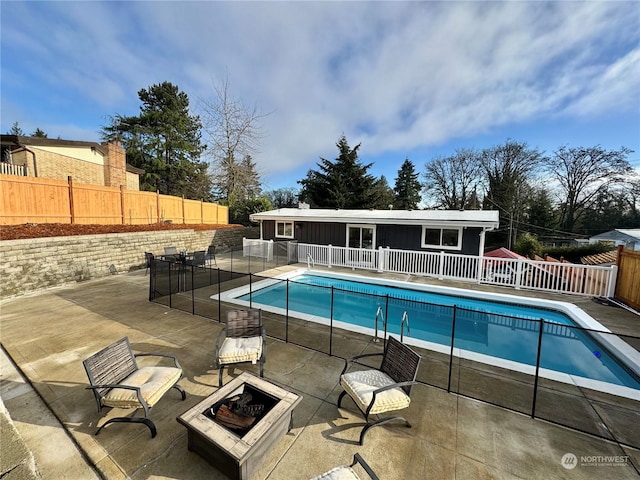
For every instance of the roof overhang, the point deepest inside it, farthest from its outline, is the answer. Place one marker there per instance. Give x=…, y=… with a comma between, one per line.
x=486, y=219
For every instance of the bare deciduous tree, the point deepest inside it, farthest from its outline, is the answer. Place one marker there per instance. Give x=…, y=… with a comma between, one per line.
x=584, y=173
x=234, y=135
x=450, y=182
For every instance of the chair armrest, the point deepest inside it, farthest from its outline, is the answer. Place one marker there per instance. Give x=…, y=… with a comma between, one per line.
x=347, y=361
x=358, y=459
x=219, y=341
x=165, y=355
x=125, y=387
x=388, y=387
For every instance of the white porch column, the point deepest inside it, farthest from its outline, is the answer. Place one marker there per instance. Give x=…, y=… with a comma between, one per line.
x=480, y=256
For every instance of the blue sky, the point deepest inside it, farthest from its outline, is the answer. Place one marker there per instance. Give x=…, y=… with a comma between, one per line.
x=405, y=79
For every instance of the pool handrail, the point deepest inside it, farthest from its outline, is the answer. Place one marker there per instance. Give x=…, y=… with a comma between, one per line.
x=379, y=313
x=405, y=317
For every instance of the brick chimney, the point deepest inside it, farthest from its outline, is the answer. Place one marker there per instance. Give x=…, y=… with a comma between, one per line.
x=115, y=165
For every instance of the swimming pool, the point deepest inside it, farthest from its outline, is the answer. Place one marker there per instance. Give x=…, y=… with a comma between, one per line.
x=489, y=327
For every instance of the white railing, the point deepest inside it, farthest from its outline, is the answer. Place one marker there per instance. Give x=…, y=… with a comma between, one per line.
x=518, y=273
x=9, y=169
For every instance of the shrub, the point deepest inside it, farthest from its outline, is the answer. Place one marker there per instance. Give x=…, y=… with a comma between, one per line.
x=527, y=245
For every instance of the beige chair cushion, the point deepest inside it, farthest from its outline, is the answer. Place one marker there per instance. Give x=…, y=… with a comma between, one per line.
x=154, y=382
x=338, y=473
x=361, y=384
x=237, y=350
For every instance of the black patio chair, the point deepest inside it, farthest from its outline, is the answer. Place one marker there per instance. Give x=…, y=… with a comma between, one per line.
x=197, y=259
x=211, y=255
x=385, y=389
x=148, y=261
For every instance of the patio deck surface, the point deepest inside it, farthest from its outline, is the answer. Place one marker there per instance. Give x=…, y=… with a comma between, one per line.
x=48, y=335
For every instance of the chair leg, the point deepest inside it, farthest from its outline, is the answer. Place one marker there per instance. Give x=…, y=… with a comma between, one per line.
x=381, y=421
x=181, y=390
x=344, y=392
x=220, y=375
x=262, y=369
x=146, y=421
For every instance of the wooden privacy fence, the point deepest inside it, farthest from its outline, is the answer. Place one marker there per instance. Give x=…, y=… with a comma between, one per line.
x=45, y=200
x=628, y=284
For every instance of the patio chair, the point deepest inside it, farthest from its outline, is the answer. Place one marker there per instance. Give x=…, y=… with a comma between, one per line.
x=242, y=340
x=148, y=261
x=171, y=254
x=347, y=472
x=383, y=390
x=117, y=381
x=211, y=255
x=197, y=259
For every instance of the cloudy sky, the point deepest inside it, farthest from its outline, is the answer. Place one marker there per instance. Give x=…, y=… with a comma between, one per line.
x=405, y=79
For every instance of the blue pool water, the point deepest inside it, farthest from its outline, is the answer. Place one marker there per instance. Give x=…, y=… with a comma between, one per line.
x=502, y=330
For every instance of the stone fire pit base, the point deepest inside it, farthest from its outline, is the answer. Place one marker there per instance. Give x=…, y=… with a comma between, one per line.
x=237, y=456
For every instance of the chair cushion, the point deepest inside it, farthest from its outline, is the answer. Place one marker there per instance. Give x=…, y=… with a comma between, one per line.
x=338, y=473
x=154, y=382
x=361, y=384
x=238, y=350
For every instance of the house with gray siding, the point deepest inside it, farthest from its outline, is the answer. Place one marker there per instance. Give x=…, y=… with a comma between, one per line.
x=452, y=231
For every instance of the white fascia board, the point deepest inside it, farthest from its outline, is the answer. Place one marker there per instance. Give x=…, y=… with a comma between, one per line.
x=384, y=217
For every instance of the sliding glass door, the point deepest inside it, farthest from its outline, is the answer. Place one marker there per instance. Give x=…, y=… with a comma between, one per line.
x=361, y=243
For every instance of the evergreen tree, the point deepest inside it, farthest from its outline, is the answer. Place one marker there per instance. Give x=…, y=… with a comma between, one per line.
x=164, y=141
x=16, y=130
x=39, y=133
x=344, y=183
x=540, y=211
x=382, y=194
x=407, y=189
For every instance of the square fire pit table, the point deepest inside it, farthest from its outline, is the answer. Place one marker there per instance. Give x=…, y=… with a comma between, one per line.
x=238, y=451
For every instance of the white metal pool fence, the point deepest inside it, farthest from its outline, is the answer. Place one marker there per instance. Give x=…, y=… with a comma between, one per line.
x=517, y=273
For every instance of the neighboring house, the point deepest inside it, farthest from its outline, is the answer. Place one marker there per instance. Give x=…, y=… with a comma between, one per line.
x=453, y=231
x=630, y=238
x=85, y=162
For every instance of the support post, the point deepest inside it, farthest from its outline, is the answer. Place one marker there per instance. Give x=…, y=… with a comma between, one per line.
x=71, y=207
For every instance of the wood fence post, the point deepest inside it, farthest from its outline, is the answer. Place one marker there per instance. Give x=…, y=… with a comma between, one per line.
x=71, y=211
x=183, y=219
x=202, y=211
x=122, y=209
x=157, y=206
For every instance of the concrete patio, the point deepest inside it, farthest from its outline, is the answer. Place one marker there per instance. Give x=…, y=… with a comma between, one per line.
x=48, y=335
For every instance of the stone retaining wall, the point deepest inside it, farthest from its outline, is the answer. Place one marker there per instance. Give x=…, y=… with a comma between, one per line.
x=34, y=264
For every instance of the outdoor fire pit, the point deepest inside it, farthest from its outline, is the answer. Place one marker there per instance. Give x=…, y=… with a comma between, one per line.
x=235, y=427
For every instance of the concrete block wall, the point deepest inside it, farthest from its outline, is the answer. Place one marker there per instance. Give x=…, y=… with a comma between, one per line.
x=35, y=264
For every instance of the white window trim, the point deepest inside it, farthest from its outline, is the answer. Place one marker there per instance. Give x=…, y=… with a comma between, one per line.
x=441, y=247
x=362, y=225
x=293, y=229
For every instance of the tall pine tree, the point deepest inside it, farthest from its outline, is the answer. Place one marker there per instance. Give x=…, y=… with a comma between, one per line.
x=343, y=183
x=164, y=141
x=407, y=189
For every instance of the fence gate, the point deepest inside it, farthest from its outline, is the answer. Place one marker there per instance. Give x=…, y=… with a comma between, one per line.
x=628, y=284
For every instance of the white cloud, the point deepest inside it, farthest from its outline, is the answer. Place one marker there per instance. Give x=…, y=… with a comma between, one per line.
x=394, y=75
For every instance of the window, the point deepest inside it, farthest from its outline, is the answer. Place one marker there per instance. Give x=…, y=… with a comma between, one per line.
x=284, y=229
x=361, y=236
x=444, y=238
